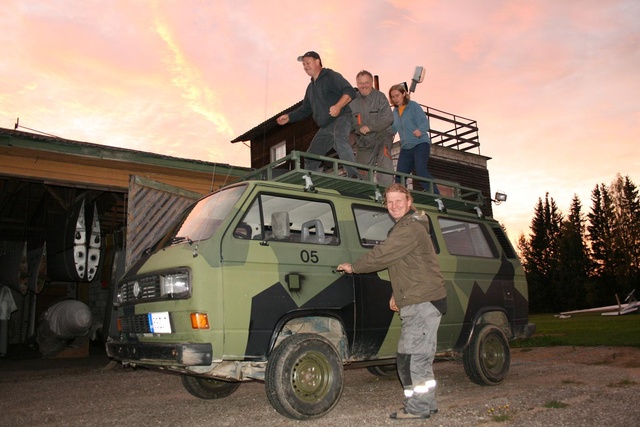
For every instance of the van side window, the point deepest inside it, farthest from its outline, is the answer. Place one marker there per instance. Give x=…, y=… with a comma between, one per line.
x=288, y=219
x=466, y=238
x=374, y=224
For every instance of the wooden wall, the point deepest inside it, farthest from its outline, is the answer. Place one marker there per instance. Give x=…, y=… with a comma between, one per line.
x=93, y=172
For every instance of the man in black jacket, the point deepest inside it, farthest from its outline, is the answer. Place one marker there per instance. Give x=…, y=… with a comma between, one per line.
x=327, y=98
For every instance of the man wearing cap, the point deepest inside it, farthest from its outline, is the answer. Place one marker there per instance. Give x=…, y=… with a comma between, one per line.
x=327, y=98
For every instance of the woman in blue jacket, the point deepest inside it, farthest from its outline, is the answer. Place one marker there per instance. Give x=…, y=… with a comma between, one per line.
x=412, y=124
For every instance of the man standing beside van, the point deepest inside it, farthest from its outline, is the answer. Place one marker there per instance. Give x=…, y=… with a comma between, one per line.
x=327, y=98
x=418, y=294
x=372, y=120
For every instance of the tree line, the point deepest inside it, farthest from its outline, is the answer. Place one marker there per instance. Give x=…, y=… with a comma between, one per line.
x=578, y=261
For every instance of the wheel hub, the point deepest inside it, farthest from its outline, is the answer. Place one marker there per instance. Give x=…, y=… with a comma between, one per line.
x=311, y=377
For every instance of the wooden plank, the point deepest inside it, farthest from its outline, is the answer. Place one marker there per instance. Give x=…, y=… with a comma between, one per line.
x=109, y=174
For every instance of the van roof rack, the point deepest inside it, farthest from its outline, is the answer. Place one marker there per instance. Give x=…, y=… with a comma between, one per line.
x=290, y=169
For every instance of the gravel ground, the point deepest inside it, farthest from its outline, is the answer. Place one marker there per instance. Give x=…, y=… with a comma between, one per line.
x=559, y=386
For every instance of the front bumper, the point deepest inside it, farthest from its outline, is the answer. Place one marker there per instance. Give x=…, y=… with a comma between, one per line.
x=189, y=354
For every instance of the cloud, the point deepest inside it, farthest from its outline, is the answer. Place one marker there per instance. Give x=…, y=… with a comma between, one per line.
x=200, y=98
x=552, y=84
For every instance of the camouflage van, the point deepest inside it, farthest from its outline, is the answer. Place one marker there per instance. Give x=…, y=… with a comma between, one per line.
x=244, y=287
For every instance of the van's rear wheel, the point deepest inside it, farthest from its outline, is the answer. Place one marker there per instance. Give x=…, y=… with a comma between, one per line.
x=304, y=377
x=383, y=371
x=205, y=388
x=487, y=358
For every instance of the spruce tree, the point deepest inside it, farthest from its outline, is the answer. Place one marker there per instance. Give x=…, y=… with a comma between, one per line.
x=540, y=256
x=624, y=196
x=574, y=261
x=602, y=230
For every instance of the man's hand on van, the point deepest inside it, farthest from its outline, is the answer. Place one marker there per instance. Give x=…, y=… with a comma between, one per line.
x=345, y=267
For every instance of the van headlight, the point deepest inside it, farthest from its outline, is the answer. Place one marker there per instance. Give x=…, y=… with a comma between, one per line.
x=174, y=284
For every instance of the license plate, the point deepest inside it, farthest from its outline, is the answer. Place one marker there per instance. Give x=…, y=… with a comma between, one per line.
x=160, y=323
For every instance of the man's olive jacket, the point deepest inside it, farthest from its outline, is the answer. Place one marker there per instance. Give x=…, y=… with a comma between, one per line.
x=409, y=255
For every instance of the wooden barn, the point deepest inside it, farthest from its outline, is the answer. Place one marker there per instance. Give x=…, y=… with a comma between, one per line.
x=72, y=213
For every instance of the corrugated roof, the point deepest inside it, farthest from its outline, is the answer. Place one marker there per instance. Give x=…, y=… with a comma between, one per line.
x=11, y=137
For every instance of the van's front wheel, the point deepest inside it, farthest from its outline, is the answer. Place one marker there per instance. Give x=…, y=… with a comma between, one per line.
x=487, y=358
x=304, y=377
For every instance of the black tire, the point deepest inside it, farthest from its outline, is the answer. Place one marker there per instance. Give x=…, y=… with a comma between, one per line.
x=487, y=358
x=383, y=371
x=206, y=388
x=304, y=377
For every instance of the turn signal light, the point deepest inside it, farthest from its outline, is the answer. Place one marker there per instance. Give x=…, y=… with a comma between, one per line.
x=199, y=321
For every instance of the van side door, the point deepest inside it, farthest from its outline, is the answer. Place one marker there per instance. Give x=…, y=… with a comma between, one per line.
x=279, y=261
x=377, y=327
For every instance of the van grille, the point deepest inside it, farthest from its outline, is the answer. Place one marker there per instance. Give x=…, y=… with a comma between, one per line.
x=143, y=288
x=135, y=324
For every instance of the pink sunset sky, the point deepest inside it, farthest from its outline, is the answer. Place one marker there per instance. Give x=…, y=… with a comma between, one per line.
x=554, y=85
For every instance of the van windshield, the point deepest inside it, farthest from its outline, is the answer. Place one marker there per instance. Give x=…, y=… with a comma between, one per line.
x=202, y=219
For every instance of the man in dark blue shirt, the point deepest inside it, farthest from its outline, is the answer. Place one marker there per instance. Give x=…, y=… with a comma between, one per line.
x=327, y=98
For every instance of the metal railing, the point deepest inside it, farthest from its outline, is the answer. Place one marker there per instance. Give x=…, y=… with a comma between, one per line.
x=462, y=136
x=290, y=169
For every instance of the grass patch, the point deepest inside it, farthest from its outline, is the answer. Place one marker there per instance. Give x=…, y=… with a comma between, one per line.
x=587, y=329
x=555, y=404
x=500, y=414
x=602, y=362
x=501, y=418
x=622, y=383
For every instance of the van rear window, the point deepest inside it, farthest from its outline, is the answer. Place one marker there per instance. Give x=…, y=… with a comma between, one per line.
x=465, y=238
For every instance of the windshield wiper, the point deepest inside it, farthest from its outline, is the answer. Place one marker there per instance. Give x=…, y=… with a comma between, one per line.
x=180, y=239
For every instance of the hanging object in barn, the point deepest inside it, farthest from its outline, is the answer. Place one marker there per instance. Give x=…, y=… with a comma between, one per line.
x=74, y=250
x=80, y=242
x=37, y=262
x=93, y=245
x=14, y=270
x=66, y=238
